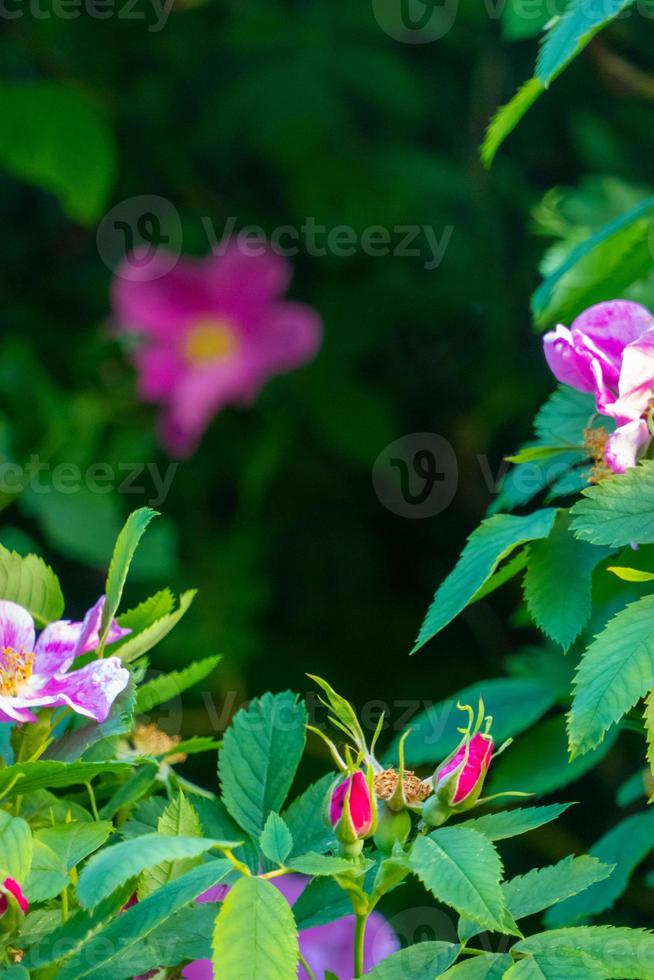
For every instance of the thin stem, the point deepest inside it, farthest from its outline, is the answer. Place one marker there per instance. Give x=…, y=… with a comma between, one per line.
x=94, y=808
x=360, y=924
x=64, y=905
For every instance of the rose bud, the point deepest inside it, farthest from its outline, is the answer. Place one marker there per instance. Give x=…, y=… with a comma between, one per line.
x=352, y=812
x=10, y=889
x=459, y=780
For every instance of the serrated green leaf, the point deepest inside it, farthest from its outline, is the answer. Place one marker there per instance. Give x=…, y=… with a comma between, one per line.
x=547, y=742
x=515, y=704
x=148, y=611
x=261, y=751
x=320, y=864
x=167, y=686
x=322, y=901
x=54, y=136
x=423, y=961
x=124, y=550
x=135, y=646
x=255, y=934
x=72, y=842
x=565, y=965
x=542, y=887
x=494, y=539
x=304, y=819
x=558, y=582
x=179, y=819
x=15, y=846
x=615, y=671
x=507, y=118
x=462, y=869
x=624, y=846
x=115, y=865
x=276, y=840
x=48, y=875
x=90, y=941
x=32, y=584
x=489, y=966
x=619, y=511
x=512, y=823
x=27, y=777
x=625, y=954
x=571, y=33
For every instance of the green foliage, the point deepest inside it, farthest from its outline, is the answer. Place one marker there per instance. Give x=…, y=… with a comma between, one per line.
x=511, y=823
x=419, y=962
x=32, y=584
x=462, y=868
x=494, y=539
x=260, y=755
x=27, y=777
x=308, y=833
x=55, y=136
x=255, y=934
x=615, y=671
x=542, y=887
x=167, y=686
x=508, y=117
x=124, y=550
x=276, y=840
x=571, y=33
x=489, y=966
x=625, y=954
x=618, y=512
x=15, y=846
x=558, y=582
x=569, y=964
x=179, y=819
x=135, y=646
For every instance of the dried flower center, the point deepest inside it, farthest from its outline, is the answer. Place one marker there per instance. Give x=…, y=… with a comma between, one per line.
x=415, y=791
x=209, y=340
x=150, y=740
x=15, y=670
x=595, y=441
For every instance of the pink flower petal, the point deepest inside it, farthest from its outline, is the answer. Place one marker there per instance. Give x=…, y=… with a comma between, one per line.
x=90, y=691
x=626, y=444
x=16, y=627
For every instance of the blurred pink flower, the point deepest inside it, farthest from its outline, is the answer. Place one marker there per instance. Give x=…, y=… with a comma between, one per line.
x=609, y=351
x=329, y=947
x=212, y=332
x=36, y=672
x=11, y=887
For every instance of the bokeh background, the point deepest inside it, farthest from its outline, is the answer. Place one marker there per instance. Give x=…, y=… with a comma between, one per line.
x=273, y=112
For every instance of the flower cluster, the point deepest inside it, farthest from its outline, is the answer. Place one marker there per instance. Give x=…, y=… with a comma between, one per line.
x=609, y=351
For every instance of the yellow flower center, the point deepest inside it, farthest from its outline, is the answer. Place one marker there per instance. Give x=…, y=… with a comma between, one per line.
x=15, y=670
x=209, y=340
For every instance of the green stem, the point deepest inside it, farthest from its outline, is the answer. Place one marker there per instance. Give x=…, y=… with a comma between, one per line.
x=360, y=924
x=307, y=969
x=94, y=807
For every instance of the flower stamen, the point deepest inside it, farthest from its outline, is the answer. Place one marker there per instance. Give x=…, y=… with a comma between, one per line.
x=16, y=668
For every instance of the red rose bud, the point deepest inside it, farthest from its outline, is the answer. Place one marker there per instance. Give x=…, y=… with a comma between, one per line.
x=10, y=887
x=353, y=809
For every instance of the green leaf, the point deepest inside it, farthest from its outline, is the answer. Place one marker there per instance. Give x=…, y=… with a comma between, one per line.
x=624, y=846
x=322, y=901
x=148, y=611
x=507, y=118
x=276, y=840
x=168, y=686
x=115, y=865
x=494, y=539
x=124, y=550
x=420, y=962
x=565, y=965
x=261, y=751
x=135, y=646
x=179, y=819
x=619, y=511
x=304, y=819
x=490, y=966
x=32, y=584
x=547, y=742
x=571, y=33
x=72, y=842
x=565, y=415
x=615, y=671
x=625, y=954
x=55, y=136
x=648, y=719
x=514, y=702
x=15, y=846
x=73, y=744
x=48, y=875
x=511, y=823
x=558, y=582
x=462, y=868
x=542, y=887
x=631, y=574
x=320, y=864
x=530, y=454
x=255, y=934
x=89, y=942
x=26, y=777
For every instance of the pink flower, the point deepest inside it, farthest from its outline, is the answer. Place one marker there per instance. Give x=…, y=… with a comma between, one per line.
x=469, y=764
x=351, y=806
x=212, y=332
x=325, y=948
x=11, y=887
x=35, y=672
x=609, y=351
